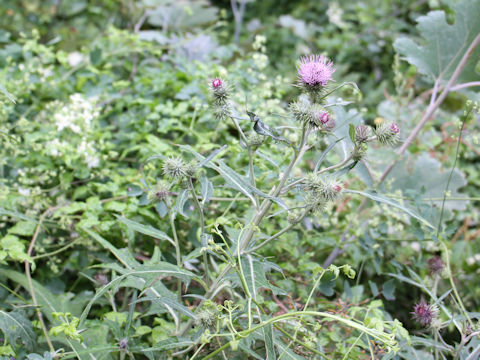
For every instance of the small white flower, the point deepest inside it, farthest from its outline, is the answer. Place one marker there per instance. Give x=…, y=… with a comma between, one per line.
x=74, y=58
x=415, y=246
x=24, y=192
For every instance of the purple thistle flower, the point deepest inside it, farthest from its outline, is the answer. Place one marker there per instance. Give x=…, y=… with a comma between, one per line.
x=424, y=313
x=324, y=118
x=315, y=70
x=216, y=83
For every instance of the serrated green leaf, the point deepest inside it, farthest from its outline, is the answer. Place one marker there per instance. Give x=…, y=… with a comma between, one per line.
x=444, y=44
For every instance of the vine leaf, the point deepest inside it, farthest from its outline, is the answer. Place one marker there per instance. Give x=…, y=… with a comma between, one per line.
x=444, y=44
x=16, y=326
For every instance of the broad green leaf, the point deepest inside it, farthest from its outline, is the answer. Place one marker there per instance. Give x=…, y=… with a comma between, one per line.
x=428, y=178
x=145, y=229
x=23, y=228
x=46, y=300
x=443, y=45
x=16, y=326
x=382, y=199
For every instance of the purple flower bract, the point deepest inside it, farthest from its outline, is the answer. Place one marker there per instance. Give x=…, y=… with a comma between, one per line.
x=315, y=70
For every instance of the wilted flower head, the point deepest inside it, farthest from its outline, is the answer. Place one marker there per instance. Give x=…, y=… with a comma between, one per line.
x=435, y=265
x=174, y=167
x=388, y=133
x=159, y=192
x=424, y=313
x=362, y=132
x=315, y=70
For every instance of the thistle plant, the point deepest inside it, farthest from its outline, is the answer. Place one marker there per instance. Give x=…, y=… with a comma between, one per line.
x=232, y=260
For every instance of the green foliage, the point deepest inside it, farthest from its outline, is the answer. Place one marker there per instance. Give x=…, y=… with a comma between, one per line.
x=443, y=44
x=232, y=256
x=16, y=327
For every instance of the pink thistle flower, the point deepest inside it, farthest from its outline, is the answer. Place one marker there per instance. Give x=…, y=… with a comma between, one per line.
x=315, y=70
x=337, y=188
x=424, y=313
x=216, y=83
x=394, y=128
x=324, y=118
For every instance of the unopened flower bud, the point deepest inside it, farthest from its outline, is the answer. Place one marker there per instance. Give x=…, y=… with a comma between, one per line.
x=255, y=140
x=220, y=90
x=388, y=133
x=191, y=168
x=123, y=343
x=359, y=151
x=293, y=217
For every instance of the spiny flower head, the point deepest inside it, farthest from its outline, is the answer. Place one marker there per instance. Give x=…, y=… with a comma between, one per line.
x=314, y=116
x=220, y=90
x=435, y=265
x=359, y=151
x=174, y=167
x=315, y=70
x=327, y=188
x=388, y=133
x=424, y=313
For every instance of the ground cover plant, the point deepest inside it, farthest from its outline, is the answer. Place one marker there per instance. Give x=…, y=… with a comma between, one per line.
x=210, y=180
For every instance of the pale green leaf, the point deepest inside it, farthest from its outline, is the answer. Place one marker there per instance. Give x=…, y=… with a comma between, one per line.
x=443, y=45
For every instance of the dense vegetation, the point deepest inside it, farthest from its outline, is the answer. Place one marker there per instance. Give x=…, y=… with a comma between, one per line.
x=239, y=179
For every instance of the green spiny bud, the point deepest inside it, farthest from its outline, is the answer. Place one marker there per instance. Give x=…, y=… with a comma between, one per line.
x=255, y=140
x=174, y=168
x=388, y=133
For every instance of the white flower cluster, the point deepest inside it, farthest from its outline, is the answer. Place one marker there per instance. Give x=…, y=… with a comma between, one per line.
x=76, y=115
